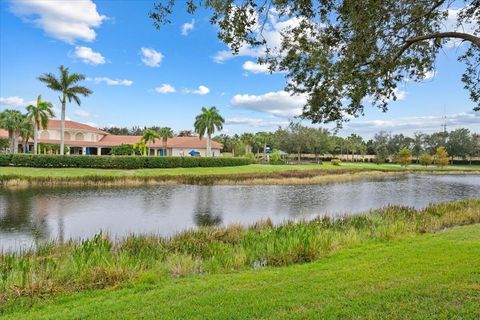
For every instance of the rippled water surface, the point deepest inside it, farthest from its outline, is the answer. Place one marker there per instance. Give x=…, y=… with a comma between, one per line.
x=39, y=214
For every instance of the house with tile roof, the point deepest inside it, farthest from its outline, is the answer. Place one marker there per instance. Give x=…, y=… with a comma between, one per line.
x=83, y=139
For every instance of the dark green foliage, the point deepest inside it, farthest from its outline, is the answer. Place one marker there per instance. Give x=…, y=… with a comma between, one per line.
x=346, y=55
x=120, y=162
x=123, y=150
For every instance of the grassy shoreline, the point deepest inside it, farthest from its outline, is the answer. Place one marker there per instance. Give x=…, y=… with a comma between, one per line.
x=428, y=276
x=98, y=263
x=251, y=174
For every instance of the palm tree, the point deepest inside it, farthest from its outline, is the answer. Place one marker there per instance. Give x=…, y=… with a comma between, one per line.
x=206, y=123
x=12, y=121
x=26, y=132
x=248, y=140
x=165, y=133
x=66, y=85
x=149, y=135
x=39, y=114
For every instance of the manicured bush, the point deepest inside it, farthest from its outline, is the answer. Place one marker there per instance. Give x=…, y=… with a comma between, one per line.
x=116, y=162
x=123, y=150
x=335, y=162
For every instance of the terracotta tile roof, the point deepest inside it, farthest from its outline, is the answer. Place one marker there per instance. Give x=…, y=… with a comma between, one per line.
x=110, y=140
x=175, y=142
x=55, y=124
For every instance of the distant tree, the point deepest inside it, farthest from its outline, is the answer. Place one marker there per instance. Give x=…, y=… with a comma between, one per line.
x=67, y=86
x=12, y=121
x=248, y=139
x=418, y=142
x=435, y=141
x=185, y=133
x=381, y=154
x=425, y=159
x=404, y=157
x=149, y=136
x=26, y=132
x=345, y=55
x=165, y=133
x=263, y=139
x=475, y=151
x=117, y=131
x=206, y=123
x=441, y=157
x=459, y=143
x=136, y=131
x=356, y=145
x=39, y=115
x=123, y=150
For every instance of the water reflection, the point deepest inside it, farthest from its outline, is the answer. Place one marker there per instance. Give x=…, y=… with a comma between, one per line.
x=204, y=210
x=32, y=215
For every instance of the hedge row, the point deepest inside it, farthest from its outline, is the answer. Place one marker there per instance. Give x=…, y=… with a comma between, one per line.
x=116, y=162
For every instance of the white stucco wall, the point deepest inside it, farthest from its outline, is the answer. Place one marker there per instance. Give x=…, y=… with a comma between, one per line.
x=185, y=152
x=54, y=134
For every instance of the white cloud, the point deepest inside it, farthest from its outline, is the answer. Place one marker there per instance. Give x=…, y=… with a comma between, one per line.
x=255, y=122
x=112, y=82
x=201, y=90
x=12, y=101
x=165, y=88
x=64, y=20
x=88, y=56
x=411, y=124
x=255, y=67
x=272, y=34
x=278, y=103
x=151, y=57
x=82, y=113
x=187, y=27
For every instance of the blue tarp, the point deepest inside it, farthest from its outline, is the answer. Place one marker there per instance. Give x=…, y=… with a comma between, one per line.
x=194, y=153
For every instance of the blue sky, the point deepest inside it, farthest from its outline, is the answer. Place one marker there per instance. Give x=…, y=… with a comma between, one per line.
x=143, y=76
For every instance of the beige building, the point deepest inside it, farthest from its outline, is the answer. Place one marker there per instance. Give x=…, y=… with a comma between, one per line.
x=87, y=140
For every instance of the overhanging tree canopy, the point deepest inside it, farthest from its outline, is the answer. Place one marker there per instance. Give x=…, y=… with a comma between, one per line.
x=346, y=54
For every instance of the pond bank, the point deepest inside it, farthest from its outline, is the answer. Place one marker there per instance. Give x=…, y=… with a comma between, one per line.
x=99, y=262
x=255, y=174
x=293, y=177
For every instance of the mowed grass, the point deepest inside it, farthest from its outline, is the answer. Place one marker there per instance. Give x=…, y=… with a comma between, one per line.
x=249, y=169
x=428, y=276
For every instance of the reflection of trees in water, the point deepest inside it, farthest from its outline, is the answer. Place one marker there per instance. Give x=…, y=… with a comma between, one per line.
x=17, y=213
x=204, y=212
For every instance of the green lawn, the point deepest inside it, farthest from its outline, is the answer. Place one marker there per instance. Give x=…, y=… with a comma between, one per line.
x=429, y=276
x=254, y=168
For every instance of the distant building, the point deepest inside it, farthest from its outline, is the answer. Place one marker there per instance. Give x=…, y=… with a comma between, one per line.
x=84, y=139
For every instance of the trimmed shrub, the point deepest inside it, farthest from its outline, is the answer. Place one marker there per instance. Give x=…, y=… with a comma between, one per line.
x=116, y=162
x=123, y=150
x=335, y=162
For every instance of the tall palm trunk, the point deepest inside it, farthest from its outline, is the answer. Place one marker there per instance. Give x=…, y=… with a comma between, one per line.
x=35, y=137
x=15, y=142
x=209, y=148
x=164, y=147
x=11, y=140
x=62, y=128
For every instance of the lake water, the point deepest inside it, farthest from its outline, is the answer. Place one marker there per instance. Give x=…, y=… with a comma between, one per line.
x=38, y=214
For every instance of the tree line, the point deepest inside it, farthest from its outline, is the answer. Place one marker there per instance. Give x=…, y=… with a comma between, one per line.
x=297, y=139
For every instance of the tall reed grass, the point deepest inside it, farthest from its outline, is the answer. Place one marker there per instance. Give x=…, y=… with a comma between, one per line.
x=99, y=262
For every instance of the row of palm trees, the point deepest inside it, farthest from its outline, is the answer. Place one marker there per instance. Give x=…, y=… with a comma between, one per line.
x=68, y=86
x=206, y=123
x=25, y=126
